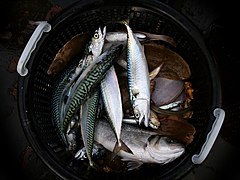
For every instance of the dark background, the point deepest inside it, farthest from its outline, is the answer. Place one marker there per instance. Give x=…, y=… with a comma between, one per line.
x=216, y=20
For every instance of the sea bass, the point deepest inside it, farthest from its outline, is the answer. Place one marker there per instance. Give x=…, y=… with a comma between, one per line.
x=138, y=78
x=146, y=146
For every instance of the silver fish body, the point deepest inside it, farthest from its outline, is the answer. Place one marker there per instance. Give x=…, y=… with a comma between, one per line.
x=146, y=146
x=72, y=134
x=56, y=101
x=111, y=97
x=142, y=37
x=119, y=36
x=89, y=80
x=88, y=118
x=94, y=49
x=138, y=78
x=90, y=107
x=62, y=87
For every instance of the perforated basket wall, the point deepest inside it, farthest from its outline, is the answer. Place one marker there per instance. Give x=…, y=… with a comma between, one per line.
x=35, y=89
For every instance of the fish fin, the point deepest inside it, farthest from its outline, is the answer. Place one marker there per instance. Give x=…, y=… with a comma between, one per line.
x=112, y=156
x=125, y=148
x=93, y=165
x=104, y=31
x=121, y=146
x=142, y=46
x=133, y=165
x=135, y=91
x=124, y=21
x=118, y=148
x=155, y=72
x=146, y=121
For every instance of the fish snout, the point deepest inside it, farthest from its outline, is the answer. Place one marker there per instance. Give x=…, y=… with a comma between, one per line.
x=173, y=146
x=142, y=111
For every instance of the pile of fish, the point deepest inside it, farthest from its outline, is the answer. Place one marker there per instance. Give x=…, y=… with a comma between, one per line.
x=127, y=94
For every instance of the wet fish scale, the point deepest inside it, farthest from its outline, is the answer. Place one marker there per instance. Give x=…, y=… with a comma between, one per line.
x=138, y=78
x=92, y=51
x=89, y=115
x=112, y=98
x=56, y=101
x=90, y=81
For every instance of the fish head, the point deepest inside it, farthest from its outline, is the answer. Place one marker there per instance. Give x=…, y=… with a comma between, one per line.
x=72, y=141
x=98, y=41
x=141, y=111
x=171, y=146
x=71, y=135
x=164, y=149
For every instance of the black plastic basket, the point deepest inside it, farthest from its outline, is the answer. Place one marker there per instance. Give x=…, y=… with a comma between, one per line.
x=35, y=89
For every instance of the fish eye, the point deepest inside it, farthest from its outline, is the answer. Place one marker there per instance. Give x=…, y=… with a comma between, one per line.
x=96, y=36
x=136, y=113
x=169, y=140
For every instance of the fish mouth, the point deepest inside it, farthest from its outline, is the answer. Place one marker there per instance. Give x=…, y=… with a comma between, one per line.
x=175, y=150
x=179, y=149
x=163, y=151
x=170, y=146
x=177, y=146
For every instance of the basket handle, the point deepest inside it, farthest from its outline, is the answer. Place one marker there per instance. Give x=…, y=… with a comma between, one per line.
x=43, y=26
x=211, y=137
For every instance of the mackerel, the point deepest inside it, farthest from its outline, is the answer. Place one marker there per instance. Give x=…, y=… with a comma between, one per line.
x=112, y=101
x=66, y=80
x=138, y=78
x=93, y=50
x=58, y=87
x=88, y=118
x=89, y=80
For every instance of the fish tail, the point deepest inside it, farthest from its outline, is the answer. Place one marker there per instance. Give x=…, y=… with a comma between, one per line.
x=123, y=22
x=93, y=165
x=120, y=145
x=125, y=148
x=155, y=72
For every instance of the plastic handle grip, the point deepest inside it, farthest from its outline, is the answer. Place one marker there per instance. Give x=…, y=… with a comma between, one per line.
x=43, y=26
x=211, y=137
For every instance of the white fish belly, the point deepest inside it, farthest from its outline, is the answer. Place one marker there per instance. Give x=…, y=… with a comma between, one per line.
x=112, y=100
x=138, y=73
x=131, y=136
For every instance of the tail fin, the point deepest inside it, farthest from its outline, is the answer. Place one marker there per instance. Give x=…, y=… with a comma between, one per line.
x=124, y=21
x=155, y=72
x=118, y=147
x=93, y=165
